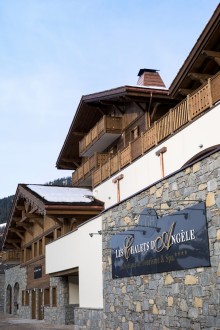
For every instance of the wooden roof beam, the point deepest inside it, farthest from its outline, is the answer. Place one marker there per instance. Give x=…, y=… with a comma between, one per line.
x=201, y=77
x=16, y=246
x=39, y=222
x=20, y=207
x=155, y=107
x=13, y=240
x=119, y=109
x=211, y=54
x=58, y=221
x=26, y=227
x=26, y=206
x=185, y=91
x=17, y=232
x=140, y=106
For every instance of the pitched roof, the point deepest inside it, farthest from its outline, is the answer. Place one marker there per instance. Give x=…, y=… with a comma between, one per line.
x=39, y=200
x=58, y=194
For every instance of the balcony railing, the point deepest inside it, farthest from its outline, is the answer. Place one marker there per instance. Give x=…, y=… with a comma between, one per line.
x=107, y=124
x=11, y=256
x=89, y=165
x=183, y=113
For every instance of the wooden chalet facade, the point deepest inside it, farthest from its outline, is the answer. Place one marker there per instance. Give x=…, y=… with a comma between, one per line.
x=112, y=128
x=40, y=214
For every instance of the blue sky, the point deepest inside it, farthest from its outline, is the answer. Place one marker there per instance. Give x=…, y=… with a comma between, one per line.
x=54, y=51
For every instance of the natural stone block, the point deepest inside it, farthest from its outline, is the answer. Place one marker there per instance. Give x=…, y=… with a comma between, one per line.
x=155, y=309
x=127, y=220
x=196, y=167
x=198, y=302
x=152, y=190
x=168, y=279
x=138, y=307
x=130, y=325
x=193, y=313
x=128, y=206
x=212, y=185
x=123, y=289
x=202, y=186
x=218, y=271
x=210, y=199
x=159, y=192
x=170, y=301
x=112, y=308
x=184, y=306
x=218, y=235
x=191, y=280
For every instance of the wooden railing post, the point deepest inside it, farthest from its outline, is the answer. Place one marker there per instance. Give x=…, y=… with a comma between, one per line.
x=130, y=153
x=188, y=107
x=210, y=93
x=142, y=143
x=156, y=132
x=119, y=160
x=171, y=121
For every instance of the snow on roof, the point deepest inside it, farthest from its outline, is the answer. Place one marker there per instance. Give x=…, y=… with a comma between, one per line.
x=149, y=87
x=62, y=194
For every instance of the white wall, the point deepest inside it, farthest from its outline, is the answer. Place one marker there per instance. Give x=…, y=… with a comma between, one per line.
x=180, y=148
x=78, y=249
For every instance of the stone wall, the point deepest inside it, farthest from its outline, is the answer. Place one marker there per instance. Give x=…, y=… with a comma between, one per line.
x=86, y=318
x=56, y=315
x=15, y=276
x=186, y=299
x=2, y=293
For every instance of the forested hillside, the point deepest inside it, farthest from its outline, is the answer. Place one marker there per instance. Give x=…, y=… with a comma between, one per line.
x=5, y=206
x=5, y=203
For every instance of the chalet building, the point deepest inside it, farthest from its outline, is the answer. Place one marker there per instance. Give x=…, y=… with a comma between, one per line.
x=151, y=154
x=42, y=214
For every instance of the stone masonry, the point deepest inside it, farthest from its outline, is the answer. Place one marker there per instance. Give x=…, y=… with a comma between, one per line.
x=186, y=299
x=15, y=276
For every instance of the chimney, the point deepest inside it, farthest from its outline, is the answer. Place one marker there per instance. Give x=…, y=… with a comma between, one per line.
x=150, y=78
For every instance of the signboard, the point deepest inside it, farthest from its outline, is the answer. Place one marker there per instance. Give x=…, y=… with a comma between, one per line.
x=37, y=272
x=173, y=242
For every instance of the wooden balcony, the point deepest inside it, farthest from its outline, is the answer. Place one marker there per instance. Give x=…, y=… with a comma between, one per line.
x=11, y=257
x=83, y=175
x=182, y=114
x=106, y=131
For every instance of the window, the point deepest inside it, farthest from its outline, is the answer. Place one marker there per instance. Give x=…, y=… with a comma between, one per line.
x=49, y=238
x=47, y=297
x=35, y=250
x=54, y=296
x=23, y=298
x=26, y=302
x=40, y=247
x=28, y=253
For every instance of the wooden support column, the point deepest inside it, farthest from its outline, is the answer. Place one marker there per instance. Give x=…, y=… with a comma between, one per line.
x=117, y=181
x=160, y=153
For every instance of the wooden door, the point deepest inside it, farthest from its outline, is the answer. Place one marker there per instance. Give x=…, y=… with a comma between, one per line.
x=33, y=304
x=40, y=305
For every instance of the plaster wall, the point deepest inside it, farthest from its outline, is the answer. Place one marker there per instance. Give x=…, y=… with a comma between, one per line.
x=79, y=250
x=181, y=147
